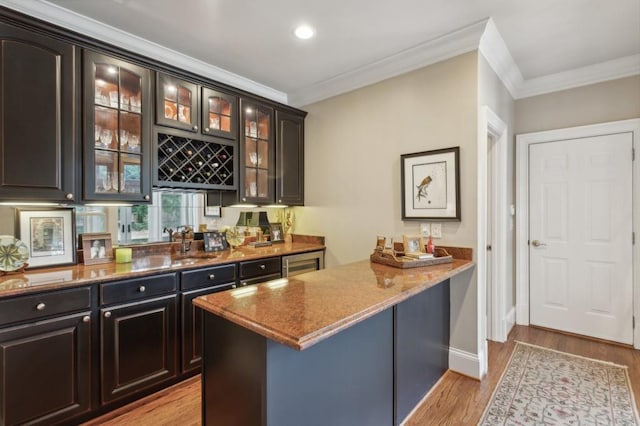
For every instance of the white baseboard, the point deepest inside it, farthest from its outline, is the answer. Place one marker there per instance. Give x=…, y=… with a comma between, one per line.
x=464, y=363
x=510, y=320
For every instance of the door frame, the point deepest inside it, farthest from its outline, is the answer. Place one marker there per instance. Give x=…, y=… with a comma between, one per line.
x=497, y=326
x=522, y=206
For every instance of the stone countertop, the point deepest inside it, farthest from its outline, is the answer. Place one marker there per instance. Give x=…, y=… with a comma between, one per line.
x=77, y=275
x=306, y=309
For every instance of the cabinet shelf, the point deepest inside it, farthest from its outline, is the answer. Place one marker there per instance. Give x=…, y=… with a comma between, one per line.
x=186, y=162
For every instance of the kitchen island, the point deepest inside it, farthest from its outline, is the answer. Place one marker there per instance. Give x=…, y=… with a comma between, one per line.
x=358, y=344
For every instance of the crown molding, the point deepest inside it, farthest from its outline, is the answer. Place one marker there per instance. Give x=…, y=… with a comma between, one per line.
x=604, y=71
x=495, y=51
x=65, y=18
x=455, y=43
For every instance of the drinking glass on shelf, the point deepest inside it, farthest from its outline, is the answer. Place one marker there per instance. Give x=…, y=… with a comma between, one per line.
x=114, y=181
x=135, y=103
x=113, y=99
x=124, y=102
x=253, y=189
x=253, y=157
x=97, y=133
x=106, y=182
x=105, y=137
x=134, y=142
x=124, y=138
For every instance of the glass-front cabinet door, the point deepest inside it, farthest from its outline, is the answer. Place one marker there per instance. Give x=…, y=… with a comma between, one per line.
x=117, y=130
x=257, y=153
x=219, y=114
x=176, y=103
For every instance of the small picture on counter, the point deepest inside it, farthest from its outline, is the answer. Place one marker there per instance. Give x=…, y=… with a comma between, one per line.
x=48, y=234
x=214, y=241
x=276, y=232
x=380, y=243
x=413, y=244
x=96, y=248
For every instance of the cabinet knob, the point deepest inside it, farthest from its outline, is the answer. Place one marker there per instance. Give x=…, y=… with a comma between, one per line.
x=146, y=197
x=86, y=318
x=206, y=129
x=233, y=286
x=212, y=276
x=41, y=306
x=280, y=201
x=244, y=199
x=142, y=289
x=195, y=128
x=107, y=314
x=69, y=196
x=243, y=284
x=262, y=267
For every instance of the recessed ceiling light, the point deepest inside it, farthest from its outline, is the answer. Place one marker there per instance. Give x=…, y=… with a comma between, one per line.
x=304, y=32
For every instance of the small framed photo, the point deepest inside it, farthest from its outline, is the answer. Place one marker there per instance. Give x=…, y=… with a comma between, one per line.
x=381, y=242
x=214, y=241
x=276, y=232
x=413, y=244
x=49, y=234
x=97, y=248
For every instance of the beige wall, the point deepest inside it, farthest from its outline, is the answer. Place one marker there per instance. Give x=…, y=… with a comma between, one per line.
x=597, y=103
x=353, y=144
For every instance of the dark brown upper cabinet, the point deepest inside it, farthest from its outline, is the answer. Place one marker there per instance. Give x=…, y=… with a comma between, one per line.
x=177, y=103
x=117, y=130
x=289, y=159
x=38, y=118
x=219, y=114
x=257, y=153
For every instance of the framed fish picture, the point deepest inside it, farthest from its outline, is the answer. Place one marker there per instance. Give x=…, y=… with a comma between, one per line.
x=431, y=185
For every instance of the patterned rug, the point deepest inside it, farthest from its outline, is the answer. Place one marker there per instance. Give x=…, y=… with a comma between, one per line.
x=545, y=387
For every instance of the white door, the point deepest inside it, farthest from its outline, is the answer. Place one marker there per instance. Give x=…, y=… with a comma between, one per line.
x=580, y=231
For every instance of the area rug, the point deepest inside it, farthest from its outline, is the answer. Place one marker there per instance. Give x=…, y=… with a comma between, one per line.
x=545, y=387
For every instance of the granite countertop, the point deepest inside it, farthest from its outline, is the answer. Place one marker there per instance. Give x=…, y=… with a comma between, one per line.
x=76, y=275
x=304, y=310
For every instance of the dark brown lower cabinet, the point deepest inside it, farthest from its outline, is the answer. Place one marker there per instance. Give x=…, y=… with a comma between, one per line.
x=192, y=327
x=138, y=346
x=45, y=371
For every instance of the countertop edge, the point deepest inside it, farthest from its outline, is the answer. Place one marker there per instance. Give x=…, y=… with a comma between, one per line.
x=317, y=336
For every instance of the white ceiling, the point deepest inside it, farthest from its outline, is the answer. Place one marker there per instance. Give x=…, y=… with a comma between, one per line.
x=254, y=40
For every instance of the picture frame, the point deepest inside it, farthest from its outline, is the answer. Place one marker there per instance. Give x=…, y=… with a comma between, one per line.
x=49, y=233
x=97, y=248
x=431, y=185
x=413, y=244
x=214, y=241
x=275, y=230
x=381, y=242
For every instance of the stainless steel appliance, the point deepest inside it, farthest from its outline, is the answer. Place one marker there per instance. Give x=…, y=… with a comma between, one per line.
x=297, y=264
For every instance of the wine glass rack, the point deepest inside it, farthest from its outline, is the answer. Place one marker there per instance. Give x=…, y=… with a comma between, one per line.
x=193, y=163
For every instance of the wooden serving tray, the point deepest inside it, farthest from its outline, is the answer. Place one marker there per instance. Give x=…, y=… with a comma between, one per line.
x=403, y=262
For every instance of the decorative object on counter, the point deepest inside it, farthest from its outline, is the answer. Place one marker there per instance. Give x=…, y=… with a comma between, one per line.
x=48, y=234
x=214, y=241
x=13, y=255
x=381, y=242
x=413, y=244
x=431, y=185
x=276, y=233
x=286, y=218
x=263, y=223
x=124, y=254
x=96, y=248
x=398, y=259
x=430, y=246
x=234, y=237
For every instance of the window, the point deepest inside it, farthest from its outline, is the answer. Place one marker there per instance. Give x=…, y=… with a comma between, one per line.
x=143, y=223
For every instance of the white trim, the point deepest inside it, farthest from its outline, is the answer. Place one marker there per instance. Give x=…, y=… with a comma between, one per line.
x=490, y=124
x=495, y=51
x=74, y=21
x=604, y=71
x=522, y=199
x=510, y=319
x=447, y=46
x=465, y=363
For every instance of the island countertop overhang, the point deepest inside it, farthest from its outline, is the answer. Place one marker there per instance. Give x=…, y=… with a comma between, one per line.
x=307, y=309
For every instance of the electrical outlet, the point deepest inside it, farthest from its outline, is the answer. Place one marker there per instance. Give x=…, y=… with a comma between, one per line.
x=425, y=229
x=436, y=230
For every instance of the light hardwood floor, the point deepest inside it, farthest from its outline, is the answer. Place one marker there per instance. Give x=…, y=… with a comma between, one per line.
x=456, y=400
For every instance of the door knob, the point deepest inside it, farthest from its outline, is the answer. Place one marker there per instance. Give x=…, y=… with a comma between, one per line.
x=537, y=243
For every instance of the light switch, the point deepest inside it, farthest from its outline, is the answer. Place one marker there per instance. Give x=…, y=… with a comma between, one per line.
x=425, y=229
x=436, y=230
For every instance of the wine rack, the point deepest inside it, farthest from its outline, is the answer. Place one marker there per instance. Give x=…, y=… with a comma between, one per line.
x=191, y=163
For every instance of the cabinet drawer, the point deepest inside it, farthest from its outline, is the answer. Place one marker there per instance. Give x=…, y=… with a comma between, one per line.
x=141, y=288
x=208, y=277
x=27, y=308
x=256, y=268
